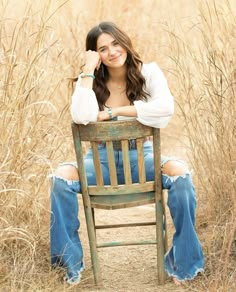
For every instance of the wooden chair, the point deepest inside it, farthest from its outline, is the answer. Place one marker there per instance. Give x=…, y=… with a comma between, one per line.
x=115, y=196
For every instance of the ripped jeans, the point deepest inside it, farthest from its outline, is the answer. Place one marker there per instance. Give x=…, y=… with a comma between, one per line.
x=184, y=259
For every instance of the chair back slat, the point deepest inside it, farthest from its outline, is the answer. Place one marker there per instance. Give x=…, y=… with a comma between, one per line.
x=126, y=162
x=97, y=164
x=113, y=130
x=141, y=164
x=111, y=163
x=104, y=131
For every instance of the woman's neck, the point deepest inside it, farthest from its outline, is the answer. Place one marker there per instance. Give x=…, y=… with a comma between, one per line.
x=117, y=75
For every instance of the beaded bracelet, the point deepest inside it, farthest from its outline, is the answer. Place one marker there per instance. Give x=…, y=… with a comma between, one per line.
x=83, y=75
x=109, y=111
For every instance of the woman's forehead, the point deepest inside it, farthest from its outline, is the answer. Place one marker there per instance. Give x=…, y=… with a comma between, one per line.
x=104, y=39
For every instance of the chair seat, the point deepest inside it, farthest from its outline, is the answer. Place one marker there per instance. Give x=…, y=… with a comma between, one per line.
x=120, y=201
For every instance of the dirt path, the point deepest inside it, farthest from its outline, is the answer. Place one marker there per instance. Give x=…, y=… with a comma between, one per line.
x=130, y=268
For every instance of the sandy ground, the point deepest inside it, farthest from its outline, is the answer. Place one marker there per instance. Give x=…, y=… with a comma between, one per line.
x=132, y=268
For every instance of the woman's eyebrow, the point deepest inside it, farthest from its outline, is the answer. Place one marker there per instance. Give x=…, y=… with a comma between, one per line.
x=114, y=41
x=101, y=47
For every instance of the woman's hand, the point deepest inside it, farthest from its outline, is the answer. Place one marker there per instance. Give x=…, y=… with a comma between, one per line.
x=127, y=111
x=92, y=61
x=103, y=116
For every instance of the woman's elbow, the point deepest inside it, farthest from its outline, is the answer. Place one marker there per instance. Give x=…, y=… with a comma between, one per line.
x=171, y=109
x=83, y=118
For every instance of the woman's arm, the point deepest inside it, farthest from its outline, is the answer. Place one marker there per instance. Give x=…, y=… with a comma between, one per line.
x=160, y=107
x=158, y=110
x=84, y=106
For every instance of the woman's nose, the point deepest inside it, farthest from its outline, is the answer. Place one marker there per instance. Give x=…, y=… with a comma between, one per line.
x=111, y=51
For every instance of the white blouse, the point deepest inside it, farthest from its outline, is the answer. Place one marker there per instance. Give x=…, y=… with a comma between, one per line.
x=155, y=112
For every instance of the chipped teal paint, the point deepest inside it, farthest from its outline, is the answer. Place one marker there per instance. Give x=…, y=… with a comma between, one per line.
x=123, y=243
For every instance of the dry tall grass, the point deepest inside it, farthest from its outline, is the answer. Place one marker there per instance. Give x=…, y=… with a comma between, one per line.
x=41, y=45
x=205, y=70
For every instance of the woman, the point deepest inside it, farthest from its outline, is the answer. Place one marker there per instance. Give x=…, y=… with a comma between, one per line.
x=116, y=84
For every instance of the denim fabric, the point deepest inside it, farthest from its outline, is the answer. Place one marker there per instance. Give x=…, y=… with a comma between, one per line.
x=185, y=258
x=66, y=249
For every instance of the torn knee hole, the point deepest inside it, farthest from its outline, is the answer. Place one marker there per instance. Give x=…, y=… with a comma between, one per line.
x=67, y=172
x=174, y=168
x=176, y=173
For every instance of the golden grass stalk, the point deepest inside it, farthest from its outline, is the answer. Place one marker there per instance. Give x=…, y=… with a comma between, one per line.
x=205, y=74
x=31, y=137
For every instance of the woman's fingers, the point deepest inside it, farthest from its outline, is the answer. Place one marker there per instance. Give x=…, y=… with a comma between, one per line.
x=92, y=59
x=103, y=116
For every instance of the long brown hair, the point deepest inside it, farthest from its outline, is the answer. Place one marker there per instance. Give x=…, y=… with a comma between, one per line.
x=135, y=82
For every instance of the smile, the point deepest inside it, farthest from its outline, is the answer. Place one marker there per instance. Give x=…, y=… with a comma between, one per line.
x=115, y=59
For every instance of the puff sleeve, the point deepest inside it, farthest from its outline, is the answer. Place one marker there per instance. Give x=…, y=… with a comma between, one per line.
x=159, y=108
x=84, y=105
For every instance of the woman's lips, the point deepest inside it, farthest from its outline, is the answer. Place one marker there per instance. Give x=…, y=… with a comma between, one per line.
x=115, y=59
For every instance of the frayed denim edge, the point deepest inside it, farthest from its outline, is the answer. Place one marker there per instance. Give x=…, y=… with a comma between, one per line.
x=174, y=178
x=199, y=270
x=69, y=182
x=171, y=274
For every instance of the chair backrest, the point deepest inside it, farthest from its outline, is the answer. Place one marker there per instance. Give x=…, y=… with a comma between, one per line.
x=122, y=131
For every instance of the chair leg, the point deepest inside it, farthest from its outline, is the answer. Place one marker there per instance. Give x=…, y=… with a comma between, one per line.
x=160, y=242
x=93, y=214
x=165, y=221
x=93, y=245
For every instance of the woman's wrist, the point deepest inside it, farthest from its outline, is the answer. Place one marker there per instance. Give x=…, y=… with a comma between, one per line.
x=115, y=112
x=87, y=77
x=112, y=113
x=88, y=70
x=83, y=75
x=127, y=111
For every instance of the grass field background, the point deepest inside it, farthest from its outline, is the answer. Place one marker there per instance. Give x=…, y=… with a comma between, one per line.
x=42, y=47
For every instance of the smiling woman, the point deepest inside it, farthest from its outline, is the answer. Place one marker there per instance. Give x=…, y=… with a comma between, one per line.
x=111, y=49
x=116, y=84
x=111, y=52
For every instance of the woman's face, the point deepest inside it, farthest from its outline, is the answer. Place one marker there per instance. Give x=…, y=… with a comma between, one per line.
x=111, y=53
